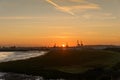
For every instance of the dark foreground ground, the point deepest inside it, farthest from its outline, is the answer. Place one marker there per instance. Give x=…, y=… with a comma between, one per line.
x=84, y=64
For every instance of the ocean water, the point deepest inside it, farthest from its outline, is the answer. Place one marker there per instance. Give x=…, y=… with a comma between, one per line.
x=11, y=56
x=13, y=76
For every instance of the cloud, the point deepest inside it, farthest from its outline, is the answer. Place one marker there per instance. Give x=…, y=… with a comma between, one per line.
x=70, y=9
x=100, y=16
x=63, y=9
x=82, y=7
x=75, y=0
x=21, y=17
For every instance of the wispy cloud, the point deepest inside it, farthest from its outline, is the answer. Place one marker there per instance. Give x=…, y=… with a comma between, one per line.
x=70, y=9
x=21, y=17
x=100, y=16
x=82, y=7
x=63, y=9
x=75, y=0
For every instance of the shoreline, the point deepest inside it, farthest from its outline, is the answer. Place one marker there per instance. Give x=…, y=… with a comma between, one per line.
x=49, y=65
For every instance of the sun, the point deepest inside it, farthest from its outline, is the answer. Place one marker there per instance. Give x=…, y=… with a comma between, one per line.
x=63, y=45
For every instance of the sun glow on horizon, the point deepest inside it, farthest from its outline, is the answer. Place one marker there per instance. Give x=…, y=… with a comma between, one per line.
x=37, y=23
x=63, y=45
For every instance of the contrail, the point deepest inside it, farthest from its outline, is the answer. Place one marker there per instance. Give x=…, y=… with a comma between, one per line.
x=63, y=9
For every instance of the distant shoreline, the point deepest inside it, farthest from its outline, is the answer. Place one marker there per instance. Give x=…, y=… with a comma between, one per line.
x=18, y=50
x=22, y=49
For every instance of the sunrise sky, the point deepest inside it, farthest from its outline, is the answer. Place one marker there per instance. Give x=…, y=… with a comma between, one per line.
x=45, y=22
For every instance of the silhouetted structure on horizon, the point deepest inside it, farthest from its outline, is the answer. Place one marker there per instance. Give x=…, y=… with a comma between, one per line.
x=67, y=45
x=79, y=44
x=55, y=45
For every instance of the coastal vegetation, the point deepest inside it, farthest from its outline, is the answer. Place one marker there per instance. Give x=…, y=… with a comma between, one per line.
x=69, y=64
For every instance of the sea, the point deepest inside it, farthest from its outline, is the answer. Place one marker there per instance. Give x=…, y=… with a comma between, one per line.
x=19, y=55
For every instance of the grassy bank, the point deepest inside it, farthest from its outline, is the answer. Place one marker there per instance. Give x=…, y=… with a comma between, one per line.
x=66, y=63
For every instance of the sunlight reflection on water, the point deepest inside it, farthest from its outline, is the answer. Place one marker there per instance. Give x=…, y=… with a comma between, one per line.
x=10, y=56
x=13, y=76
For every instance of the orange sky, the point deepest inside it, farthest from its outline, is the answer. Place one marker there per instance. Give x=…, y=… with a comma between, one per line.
x=45, y=22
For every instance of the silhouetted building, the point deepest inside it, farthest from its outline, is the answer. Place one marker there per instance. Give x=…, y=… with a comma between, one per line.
x=54, y=45
x=79, y=44
x=67, y=45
